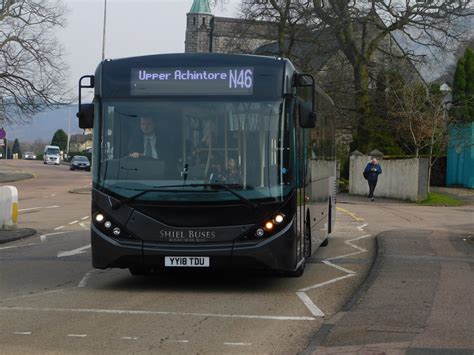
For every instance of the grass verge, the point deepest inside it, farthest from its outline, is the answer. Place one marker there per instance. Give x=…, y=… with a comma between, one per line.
x=437, y=199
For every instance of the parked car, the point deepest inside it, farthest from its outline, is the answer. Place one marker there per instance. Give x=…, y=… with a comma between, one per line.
x=29, y=156
x=79, y=162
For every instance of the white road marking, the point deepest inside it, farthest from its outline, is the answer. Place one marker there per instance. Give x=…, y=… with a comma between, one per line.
x=31, y=295
x=37, y=208
x=83, y=218
x=86, y=278
x=310, y=304
x=343, y=256
x=129, y=338
x=238, y=344
x=52, y=195
x=84, y=225
x=58, y=228
x=44, y=237
x=326, y=283
x=18, y=246
x=77, y=251
x=74, y=222
x=77, y=335
x=349, y=273
x=178, y=341
x=137, y=312
x=22, y=333
x=338, y=267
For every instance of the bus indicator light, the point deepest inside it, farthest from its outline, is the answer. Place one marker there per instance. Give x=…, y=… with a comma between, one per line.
x=108, y=224
x=268, y=226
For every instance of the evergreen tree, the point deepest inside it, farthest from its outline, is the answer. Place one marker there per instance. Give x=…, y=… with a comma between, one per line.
x=16, y=148
x=463, y=89
x=60, y=139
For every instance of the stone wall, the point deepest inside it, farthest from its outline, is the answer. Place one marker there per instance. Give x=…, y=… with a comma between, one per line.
x=405, y=179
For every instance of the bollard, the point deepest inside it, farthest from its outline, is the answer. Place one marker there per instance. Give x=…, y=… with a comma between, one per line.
x=8, y=207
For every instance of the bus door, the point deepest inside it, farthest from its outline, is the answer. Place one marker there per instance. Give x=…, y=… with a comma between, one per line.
x=301, y=140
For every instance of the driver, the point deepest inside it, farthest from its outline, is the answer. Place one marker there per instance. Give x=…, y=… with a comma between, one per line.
x=145, y=144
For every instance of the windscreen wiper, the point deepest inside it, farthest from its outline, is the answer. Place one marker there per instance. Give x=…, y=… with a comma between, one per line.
x=166, y=188
x=141, y=193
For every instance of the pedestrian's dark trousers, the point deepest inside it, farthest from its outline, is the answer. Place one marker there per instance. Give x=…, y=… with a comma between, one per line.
x=372, y=184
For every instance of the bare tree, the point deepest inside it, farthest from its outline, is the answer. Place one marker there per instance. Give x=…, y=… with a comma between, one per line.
x=31, y=69
x=38, y=145
x=362, y=30
x=421, y=116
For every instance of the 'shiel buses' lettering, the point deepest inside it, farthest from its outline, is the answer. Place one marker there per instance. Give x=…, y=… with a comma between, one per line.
x=192, y=81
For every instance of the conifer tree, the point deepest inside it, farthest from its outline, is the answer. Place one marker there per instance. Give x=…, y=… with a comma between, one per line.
x=463, y=89
x=16, y=149
x=60, y=139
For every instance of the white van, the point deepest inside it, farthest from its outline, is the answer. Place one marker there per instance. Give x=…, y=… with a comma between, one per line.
x=52, y=155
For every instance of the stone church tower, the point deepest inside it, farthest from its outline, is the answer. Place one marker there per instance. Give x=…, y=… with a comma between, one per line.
x=199, y=28
x=208, y=33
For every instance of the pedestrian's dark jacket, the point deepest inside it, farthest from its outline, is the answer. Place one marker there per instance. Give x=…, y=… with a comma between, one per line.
x=372, y=171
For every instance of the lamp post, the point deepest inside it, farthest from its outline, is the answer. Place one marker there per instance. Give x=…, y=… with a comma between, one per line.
x=103, y=30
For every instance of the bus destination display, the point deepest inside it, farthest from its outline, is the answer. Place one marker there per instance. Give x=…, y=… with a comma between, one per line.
x=192, y=81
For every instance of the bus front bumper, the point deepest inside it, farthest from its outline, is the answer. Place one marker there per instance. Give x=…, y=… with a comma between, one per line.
x=275, y=253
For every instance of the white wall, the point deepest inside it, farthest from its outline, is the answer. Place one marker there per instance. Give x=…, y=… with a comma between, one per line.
x=405, y=179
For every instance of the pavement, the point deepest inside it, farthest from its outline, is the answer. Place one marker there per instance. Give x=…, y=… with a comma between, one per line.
x=417, y=299
x=11, y=174
x=7, y=236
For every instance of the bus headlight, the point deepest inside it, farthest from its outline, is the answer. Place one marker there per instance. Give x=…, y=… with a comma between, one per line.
x=99, y=217
x=107, y=224
x=279, y=218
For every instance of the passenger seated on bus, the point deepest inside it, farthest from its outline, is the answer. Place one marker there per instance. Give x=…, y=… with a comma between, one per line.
x=145, y=143
x=232, y=175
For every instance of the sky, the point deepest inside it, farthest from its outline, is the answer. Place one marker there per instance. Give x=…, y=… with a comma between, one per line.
x=133, y=28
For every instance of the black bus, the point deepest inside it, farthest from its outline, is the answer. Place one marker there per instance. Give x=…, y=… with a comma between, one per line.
x=208, y=161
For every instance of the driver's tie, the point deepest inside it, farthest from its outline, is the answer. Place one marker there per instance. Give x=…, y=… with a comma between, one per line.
x=148, y=152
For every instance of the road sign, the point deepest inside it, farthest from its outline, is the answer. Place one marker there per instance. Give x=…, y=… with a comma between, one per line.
x=3, y=133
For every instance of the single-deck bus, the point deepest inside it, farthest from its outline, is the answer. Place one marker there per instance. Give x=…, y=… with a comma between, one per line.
x=208, y=161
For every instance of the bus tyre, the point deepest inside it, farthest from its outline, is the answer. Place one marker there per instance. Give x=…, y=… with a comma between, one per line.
x=298, y=272
x=325, y=242
x=139, y=270
x=307, y=241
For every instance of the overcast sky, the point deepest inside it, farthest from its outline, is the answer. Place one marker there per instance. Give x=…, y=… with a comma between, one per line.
x=134, y=27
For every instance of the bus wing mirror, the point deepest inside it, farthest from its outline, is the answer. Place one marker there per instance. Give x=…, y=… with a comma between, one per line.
x=86, y=111
x=307, y=115
x=86, y=116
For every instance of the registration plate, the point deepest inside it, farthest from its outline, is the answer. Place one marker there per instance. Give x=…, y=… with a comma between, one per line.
x=186, y=261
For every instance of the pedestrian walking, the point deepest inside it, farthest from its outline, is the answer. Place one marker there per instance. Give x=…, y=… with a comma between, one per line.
x=371, y=173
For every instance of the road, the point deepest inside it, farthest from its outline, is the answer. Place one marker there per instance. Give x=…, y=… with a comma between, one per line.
x=51, y=300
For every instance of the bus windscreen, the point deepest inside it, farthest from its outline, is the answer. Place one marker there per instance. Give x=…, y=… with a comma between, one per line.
x=192, y=81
